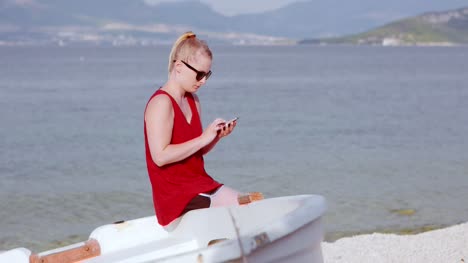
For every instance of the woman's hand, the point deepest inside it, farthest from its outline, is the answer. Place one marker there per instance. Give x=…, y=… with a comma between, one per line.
x=213, y=130
x=226, y=128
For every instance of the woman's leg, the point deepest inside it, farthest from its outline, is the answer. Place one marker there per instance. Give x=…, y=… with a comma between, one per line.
x=225, y=196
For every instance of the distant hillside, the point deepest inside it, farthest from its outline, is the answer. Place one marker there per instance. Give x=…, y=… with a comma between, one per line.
x=133, y=22
x=115, y=22
x=333, y=18
x=435, y=28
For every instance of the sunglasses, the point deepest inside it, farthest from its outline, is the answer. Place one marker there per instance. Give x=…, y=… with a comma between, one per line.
x=200, y=74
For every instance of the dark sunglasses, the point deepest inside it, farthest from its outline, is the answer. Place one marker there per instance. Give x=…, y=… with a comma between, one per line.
x=200, y=74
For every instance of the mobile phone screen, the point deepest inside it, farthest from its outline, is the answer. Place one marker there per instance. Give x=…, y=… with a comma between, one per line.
x=228, y=122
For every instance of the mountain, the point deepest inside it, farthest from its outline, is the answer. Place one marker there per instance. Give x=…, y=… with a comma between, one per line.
x=326, y=18
x=67, y=12
x=97, y=22
x=434, y=28
x=133, y=22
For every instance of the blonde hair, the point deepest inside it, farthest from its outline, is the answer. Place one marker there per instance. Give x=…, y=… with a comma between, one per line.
x=186, y=46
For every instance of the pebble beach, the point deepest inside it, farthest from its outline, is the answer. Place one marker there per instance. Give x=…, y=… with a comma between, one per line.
x=448, y=245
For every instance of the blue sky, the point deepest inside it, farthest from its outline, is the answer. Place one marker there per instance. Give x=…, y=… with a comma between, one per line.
x=234, y=7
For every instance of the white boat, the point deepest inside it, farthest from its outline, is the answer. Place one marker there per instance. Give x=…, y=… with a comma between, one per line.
x=283, y=229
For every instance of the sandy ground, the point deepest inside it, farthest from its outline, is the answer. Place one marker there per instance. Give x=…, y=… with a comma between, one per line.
x=448, y=245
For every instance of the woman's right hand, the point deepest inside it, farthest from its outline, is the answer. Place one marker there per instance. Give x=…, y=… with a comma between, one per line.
x=211, y=132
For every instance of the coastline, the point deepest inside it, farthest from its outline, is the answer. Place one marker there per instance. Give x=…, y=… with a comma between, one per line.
x=442, y=245
x=331, y=237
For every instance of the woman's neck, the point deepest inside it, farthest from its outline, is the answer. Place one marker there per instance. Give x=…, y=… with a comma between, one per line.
x=176, y=91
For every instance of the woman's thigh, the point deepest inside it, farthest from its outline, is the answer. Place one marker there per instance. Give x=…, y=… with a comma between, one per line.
x=225, y=196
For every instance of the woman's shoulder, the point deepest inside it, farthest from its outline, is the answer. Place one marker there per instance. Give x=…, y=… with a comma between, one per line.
x=160, y=101
x=197, y=102
x=195, y=97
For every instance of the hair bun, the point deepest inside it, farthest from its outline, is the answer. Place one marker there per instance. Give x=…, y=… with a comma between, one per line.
x=190, y=34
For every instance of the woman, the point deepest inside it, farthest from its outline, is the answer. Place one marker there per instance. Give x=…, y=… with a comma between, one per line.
x=174, y=140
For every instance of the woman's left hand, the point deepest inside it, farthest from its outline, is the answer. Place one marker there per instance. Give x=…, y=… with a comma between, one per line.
x=226, y=129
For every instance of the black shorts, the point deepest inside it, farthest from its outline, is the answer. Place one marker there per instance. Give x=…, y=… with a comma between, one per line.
x=199, y=201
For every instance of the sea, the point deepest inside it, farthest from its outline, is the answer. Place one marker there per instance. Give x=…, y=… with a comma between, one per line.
x=380, y=132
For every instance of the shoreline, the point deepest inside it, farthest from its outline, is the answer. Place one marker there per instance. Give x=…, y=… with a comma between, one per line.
x=331, y=237
x=448, y=244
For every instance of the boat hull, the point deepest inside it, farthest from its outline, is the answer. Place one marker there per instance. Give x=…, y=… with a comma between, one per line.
x=283, y=229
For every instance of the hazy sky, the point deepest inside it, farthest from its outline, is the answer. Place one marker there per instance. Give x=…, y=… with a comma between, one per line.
x=234, y=7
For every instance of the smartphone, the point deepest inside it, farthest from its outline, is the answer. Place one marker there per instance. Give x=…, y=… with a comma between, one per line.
x=228, y=122
x=233, y=120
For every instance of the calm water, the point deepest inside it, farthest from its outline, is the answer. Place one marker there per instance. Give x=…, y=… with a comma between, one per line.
x=372, y=129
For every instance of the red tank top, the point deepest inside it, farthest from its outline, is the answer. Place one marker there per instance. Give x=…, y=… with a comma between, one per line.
x=175, y=184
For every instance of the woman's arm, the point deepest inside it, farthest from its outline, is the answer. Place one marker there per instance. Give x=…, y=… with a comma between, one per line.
x=210, y=146
x=159, y=117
